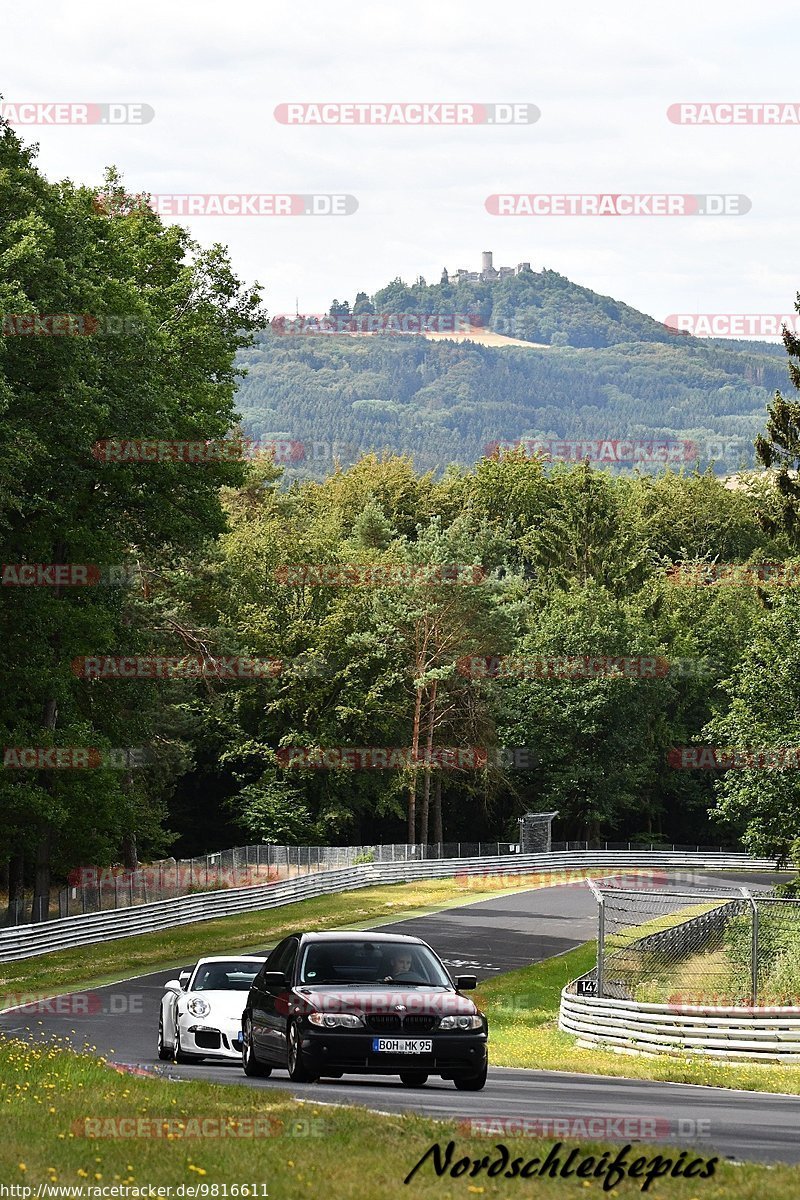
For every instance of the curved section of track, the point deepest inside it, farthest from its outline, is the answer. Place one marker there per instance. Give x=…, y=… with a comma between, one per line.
x=485, y=938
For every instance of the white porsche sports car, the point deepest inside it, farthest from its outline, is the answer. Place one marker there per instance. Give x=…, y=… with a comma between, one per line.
x=201, y=1012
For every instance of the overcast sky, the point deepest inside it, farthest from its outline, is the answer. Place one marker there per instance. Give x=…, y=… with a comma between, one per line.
x=602, y=75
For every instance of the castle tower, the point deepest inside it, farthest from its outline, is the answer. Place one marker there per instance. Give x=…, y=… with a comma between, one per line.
x=486, y=261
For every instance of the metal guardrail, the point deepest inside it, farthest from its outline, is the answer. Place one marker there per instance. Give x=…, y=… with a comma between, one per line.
x=679, y=1030
x=27, y=941
x=95, y=889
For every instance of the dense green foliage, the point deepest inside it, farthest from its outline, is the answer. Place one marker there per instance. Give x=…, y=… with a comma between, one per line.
x=606, y=372
x=576, y=564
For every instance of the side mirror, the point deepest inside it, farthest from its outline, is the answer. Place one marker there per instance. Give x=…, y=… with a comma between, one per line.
x=172, y=985
x=466, y=983
x=184, y=978
x=273, y=979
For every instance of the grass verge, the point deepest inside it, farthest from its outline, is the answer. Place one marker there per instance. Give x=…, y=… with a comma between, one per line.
x=90, y=966
x=308, y=1151
x=522, y=1007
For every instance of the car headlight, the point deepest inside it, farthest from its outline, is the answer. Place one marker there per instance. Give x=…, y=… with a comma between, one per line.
x=198, y=1007
x=461, y=1023
x=337, y=1020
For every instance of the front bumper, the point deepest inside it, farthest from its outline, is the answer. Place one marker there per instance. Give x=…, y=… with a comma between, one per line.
x=451, y=1054
x=211, y=1038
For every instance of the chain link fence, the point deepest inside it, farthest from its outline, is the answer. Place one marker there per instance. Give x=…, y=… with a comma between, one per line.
x=94, y=889
x=596, y=844
x=730, y=947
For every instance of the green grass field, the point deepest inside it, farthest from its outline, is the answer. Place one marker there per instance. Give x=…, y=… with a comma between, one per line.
x=307, y=1151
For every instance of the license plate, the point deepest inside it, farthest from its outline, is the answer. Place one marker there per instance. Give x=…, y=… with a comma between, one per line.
x=402, y=1045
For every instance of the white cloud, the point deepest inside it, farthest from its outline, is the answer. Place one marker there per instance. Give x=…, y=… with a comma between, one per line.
x=602, y=76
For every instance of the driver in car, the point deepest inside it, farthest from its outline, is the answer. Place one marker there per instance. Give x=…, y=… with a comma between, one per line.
x=401, y=962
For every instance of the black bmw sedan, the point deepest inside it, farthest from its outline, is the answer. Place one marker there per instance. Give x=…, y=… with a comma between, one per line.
x=329, y=1004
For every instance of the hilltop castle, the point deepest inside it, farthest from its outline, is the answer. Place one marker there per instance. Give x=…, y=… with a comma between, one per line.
x=487, y=274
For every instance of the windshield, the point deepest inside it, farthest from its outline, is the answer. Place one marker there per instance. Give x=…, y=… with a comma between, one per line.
x=230, y=976
x=372, y=962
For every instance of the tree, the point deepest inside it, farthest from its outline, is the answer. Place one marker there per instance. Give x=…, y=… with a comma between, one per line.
x=363, y=305
x=763, y=713
x=154, y=359
x=781, y=449
x=596, y=741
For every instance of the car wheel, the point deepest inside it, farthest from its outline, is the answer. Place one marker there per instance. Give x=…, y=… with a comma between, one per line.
x=472, y=1083
x=250, y=1063
x=164, y=1053
x=298, y=1071
x=413, y=1078
x=180, y=1057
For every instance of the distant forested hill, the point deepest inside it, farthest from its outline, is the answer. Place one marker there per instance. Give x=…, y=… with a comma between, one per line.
x=606, y=371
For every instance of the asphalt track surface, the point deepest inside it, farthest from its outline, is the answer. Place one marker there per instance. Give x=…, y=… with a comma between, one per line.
x=483, y=938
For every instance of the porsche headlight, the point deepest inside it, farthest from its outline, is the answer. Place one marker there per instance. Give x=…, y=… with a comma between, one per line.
x=461, y=1023
x=336, y=1020
x=198, y=1007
